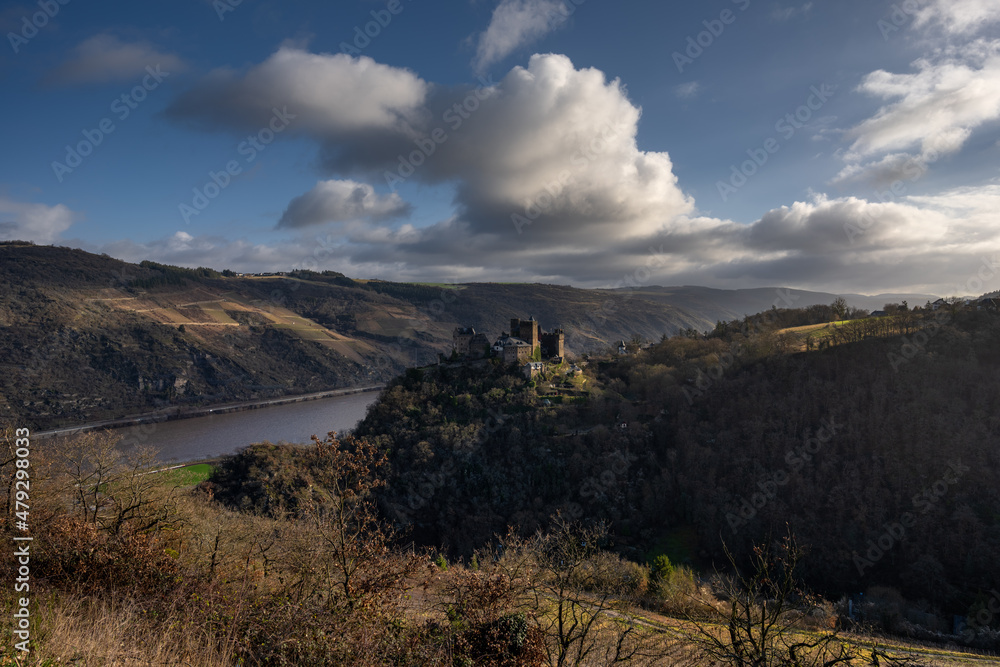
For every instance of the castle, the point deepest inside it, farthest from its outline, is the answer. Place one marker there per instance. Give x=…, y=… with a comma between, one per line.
x=524, y=342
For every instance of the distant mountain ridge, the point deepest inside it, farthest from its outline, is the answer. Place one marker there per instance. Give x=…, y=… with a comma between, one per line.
x=85, y=337
x=725, y=305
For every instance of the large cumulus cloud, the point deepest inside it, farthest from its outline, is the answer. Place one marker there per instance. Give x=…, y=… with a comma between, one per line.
x=550, y=184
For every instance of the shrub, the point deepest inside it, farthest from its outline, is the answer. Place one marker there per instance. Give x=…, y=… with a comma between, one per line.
x=608, y=573
x=678, y=593
x=508, y=640
x=662, y=568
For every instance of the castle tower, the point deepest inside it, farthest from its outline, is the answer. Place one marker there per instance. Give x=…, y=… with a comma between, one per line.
x=554, y=344
x=462, y=339
x=528, y=331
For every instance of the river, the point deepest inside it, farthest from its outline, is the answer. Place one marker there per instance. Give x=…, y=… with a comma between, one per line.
x=214, y=435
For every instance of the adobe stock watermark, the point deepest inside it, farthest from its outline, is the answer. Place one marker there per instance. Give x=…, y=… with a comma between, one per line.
x=983, y=618
x=610, y=479
x=704, y=381
x=913, y=169
x=223, y=7
x=640, y=276
x=21, y=628
x=428, y=483
x=697, y=44
x=249, y=148
x=895, y=532
x=381, y=18
x=912, y=347
x=786, y=126
x=37, y=21
x=455, y=116
x=796, y=460
x=422, y=491
x=918, y=344
x=902, y=14
x=122, y=107
x=432, y=310
x=546, y=199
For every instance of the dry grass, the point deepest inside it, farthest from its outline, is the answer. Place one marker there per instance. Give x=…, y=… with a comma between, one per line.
x=80, y=631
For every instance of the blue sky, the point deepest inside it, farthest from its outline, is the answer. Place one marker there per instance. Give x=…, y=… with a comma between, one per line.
x=844, y=146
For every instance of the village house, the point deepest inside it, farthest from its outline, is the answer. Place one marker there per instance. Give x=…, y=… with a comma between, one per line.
x=532, y=369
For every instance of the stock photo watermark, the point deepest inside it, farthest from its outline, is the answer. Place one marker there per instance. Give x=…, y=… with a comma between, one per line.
x=697, y=44
x=30, y=25
x=913, y=169
x=917, y=345
x=249, y=149
x=122, y=107
x=767, y=489
x=381, y=18
x=546, y=199
x=455, y=116
x=605, y=484
x=786, y=126
x=22, y=543
x=629, y=282
x=704, y=381
x=983, y=618
x=223, y=7
x=895, y=532
x=900, y=16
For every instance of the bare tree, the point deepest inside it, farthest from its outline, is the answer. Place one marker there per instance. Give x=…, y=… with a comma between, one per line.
x=357, y=562
x=111, y=488
x=756, y=626
x=581, y=598
x=840, y=307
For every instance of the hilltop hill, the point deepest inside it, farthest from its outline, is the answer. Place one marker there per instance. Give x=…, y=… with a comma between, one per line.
x=85, y=337
x=716, y=305
x=880, y=455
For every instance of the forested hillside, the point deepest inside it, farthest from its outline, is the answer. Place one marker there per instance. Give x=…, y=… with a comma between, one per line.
x=882, y=455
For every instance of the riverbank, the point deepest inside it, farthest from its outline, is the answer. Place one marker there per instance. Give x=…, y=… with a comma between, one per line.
x=174, y=413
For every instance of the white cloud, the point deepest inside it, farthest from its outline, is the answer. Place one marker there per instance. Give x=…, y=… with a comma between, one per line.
x=33, y=222
x=557, y=145
x=687, y=90
x=932, y=244
x=329, y=95
x=931, y=112
x=341, y=201
x=785, y=13
x=553, y=148
x=516, y=23
x=959, y=17
x=182, y=249
x=104, y=58
x=939, y=104
x=547, y=135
